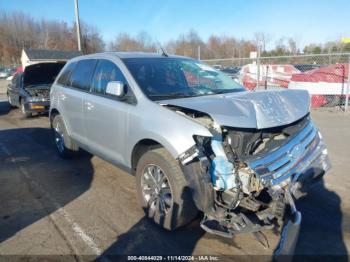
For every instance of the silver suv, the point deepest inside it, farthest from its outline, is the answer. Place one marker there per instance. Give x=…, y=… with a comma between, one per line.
x=196, y=140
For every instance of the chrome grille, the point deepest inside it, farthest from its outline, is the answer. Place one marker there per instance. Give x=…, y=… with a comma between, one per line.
x=279, y=163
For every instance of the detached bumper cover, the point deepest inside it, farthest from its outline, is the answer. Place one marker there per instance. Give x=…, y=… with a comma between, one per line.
x=289, y=236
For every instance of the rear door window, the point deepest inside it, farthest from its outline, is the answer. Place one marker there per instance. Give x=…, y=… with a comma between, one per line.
x=82, y=74
x=106, y=71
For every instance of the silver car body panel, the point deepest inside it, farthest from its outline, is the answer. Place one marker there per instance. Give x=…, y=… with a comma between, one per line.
x=114, y=137
x=70, y=105
x=259, y=110
x=112, y=128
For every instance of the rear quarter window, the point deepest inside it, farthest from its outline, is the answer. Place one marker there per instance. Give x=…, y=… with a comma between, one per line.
x=67, y=71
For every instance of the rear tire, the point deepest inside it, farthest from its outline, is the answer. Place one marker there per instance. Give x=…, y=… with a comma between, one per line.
x=64, y=144
x=163, y=191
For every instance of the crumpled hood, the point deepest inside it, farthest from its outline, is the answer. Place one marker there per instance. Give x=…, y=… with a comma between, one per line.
x=259, y=110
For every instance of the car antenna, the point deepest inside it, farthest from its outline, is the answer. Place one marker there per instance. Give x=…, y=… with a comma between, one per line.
x=164, y=53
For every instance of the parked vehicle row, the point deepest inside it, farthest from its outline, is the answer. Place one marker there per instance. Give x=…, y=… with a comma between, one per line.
x=232, y=72
x=6, y=72
x=195, y=139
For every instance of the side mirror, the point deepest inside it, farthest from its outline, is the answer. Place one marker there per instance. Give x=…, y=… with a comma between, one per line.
x=115, y=88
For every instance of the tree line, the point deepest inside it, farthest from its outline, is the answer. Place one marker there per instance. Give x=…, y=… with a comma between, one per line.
x=19, y=30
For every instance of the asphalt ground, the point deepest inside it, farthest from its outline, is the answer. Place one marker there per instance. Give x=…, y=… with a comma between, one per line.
x=85, y=208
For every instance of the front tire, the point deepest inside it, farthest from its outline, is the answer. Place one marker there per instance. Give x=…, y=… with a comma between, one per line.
x=64, y=144
x=9, y=99
x=163, y=191
x=24, y=111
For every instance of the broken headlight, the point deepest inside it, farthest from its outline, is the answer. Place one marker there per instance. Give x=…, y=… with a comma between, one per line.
x=195, y=150
x=189, y=155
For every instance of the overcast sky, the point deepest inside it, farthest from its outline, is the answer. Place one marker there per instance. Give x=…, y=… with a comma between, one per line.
x=308, y=21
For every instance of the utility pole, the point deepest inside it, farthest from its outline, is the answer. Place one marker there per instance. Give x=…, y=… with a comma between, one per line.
x=347, y=90
x=199, y=52
x=258, y=67
x=346, y=40
x=77, y=24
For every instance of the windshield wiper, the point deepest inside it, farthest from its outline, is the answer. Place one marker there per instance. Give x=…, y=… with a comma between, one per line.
x=171, y=95
x=226, y=91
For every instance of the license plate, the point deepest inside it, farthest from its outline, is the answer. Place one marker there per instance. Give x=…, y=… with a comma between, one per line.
x=37, y=107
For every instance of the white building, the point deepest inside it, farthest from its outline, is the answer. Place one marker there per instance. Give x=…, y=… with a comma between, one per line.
x=34, y=56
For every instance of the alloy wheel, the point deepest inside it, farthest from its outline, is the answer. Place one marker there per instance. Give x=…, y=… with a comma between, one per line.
x=59, y=138
x=156, y=190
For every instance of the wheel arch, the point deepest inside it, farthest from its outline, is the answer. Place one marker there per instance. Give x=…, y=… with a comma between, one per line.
x=140, y=148
x=53, y=112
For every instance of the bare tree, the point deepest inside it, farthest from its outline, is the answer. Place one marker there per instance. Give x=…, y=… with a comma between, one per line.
x=125, y=42
x=19, y=30
x=261, y=38
x=292, y=46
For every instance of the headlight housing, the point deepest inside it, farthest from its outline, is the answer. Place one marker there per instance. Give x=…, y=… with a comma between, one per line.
x=189, y=155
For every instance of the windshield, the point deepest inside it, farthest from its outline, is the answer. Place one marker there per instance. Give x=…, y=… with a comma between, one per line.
x=163, y=78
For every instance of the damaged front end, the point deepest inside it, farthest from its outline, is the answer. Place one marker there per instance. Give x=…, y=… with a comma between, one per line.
x=246, y=180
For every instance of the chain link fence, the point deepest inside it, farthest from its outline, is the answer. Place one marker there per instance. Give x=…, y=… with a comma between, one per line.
x=324, y=76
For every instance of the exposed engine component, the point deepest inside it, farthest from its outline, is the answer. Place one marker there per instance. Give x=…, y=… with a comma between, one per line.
x=39, y=92
x=248, y=142
x=197, y=116
x=250, y=182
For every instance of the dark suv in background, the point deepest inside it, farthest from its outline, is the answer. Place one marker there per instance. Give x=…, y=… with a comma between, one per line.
x=30, y=90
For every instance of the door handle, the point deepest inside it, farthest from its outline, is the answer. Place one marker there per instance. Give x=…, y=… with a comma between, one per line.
x=63, y=97
x=89, y=106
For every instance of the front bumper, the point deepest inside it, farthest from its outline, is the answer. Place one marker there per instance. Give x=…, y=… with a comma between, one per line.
x=295, y=166
x=37, y=106
x=288, y=171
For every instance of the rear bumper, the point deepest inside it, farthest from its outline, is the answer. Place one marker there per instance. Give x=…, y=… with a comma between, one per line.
x=38, y=107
